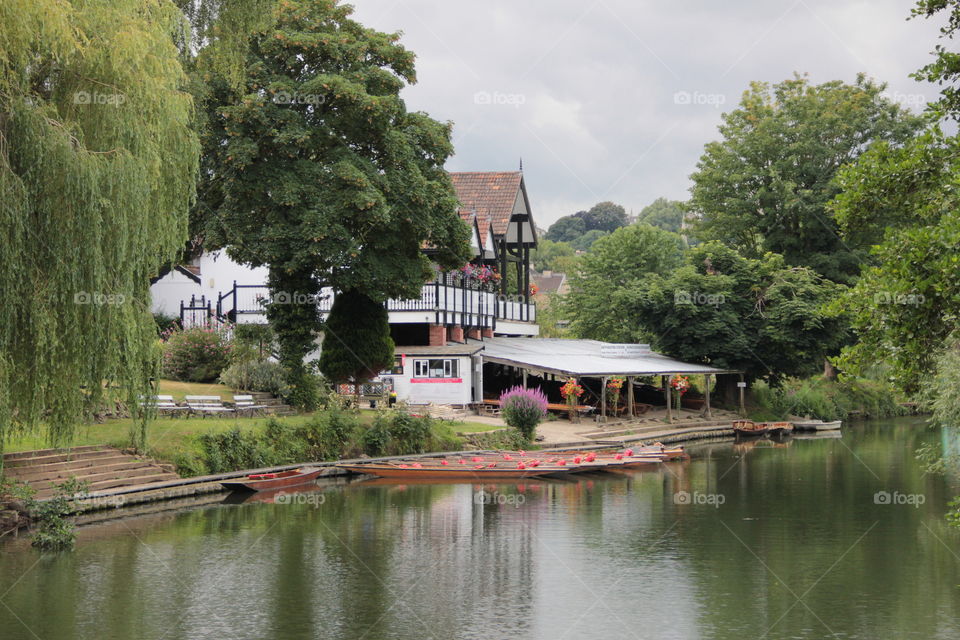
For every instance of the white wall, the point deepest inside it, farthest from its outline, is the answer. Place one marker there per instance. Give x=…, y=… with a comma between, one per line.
x=217, y=274
x=169, y=290
x=448, y=391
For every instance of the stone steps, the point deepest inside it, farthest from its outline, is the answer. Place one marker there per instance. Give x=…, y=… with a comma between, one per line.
x=101, y=467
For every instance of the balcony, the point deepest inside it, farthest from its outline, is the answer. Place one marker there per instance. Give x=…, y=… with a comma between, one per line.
x=440, y=303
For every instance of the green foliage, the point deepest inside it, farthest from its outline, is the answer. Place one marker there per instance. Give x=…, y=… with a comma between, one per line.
x=945, y=69
x=617, y=265
x=587, y=240
x=166, y=324
x=97, y=170
x=313, y=157
x=720, y=308
x=905, y=306
x=665, y=214
x=566, y=229
x=198, y=354
x=257, y=375
x=397, y=432
x=252, y=341
x=603, y=217
x=547, y=255
x=53, y=530
x=765, y=186
x=941, y=394
x=357, y=344
x=827, y=399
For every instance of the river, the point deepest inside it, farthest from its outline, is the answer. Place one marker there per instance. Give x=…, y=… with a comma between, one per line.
x=814, y=538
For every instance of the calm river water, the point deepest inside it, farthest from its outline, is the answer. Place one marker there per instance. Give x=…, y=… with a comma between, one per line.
x=816, y=538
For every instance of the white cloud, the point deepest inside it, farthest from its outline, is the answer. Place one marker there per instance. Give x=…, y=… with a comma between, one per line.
x=599, y=117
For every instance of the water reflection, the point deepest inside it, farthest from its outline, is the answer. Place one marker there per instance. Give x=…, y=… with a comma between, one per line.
x=761, y=538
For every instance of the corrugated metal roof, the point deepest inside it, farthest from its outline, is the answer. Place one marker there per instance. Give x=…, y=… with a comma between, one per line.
x=583, y=358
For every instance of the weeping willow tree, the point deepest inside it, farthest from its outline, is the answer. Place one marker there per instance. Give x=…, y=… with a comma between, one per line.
x=98, y=164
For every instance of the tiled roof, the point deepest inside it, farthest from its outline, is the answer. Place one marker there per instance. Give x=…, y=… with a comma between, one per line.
x=549, y=284
x=488, y=193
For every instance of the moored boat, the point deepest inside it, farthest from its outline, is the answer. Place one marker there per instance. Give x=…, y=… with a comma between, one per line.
x=268, y=481
x=779, y=428
x=817, y=425
x=749, y=428
x=452, y=472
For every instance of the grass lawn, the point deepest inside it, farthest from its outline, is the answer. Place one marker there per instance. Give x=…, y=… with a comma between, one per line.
x=169, y=437
x=180, y=389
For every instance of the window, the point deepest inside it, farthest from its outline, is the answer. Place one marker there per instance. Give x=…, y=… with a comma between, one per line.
x=396, y=369
x=436, y=368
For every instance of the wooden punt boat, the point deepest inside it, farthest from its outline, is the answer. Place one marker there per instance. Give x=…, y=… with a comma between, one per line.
x=269, y=481
x=779, y=428
x=817, y=425
x=749, y=429
x=449, y=472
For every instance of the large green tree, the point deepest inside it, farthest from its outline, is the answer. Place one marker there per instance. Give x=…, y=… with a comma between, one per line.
x=765, y=185
x=327, y=178
x=97, y=173
x=601, y=290
x=663, y=213
x=905, y=306
x=356, y=344
x=761, y=315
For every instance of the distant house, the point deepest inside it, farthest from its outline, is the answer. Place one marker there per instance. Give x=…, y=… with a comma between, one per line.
x=551, y=282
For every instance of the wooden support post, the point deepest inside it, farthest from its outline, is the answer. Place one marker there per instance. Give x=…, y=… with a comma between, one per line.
x=524, y=378
x=603, y=398
x=743, y=389
x=706, y=394
x=666, y=392
x=630, y=396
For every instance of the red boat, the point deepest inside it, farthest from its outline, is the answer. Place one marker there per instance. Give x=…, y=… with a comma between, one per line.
x=268, y=481
x=472, y=472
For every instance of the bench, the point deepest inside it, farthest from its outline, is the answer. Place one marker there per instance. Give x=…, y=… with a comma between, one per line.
x=206, y=404
x=246, y=403
x=162, y=404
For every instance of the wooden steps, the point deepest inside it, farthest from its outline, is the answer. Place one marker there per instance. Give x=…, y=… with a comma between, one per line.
x=101, y=467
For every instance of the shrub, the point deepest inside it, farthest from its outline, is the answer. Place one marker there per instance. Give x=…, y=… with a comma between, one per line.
x=399, y=432
x=523, y=409
x=826, y=399
x=54, y=531
x=198, y=354
x=262, y=375
x=333, y=435
x=166, y=324
x=252, y=342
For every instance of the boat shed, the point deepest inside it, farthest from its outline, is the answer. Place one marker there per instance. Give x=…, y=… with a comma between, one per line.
x=554, y=357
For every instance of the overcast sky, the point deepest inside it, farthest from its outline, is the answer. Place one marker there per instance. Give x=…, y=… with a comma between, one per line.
x=614, y=99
